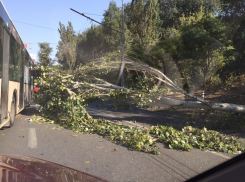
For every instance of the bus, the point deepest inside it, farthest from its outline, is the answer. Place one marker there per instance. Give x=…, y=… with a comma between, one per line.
x=16, y=81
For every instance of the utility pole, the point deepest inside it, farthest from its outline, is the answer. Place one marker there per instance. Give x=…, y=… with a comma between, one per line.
x=123, y=39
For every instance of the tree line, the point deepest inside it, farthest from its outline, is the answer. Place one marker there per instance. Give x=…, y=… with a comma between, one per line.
x=202, y=38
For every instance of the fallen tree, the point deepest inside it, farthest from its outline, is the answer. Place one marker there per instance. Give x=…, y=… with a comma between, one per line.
x=68, y=95
x=157, y=75
x=201, y=105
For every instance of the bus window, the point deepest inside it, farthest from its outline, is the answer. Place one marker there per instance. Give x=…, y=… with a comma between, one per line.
x=14, y=62
x=27, y=60
x=26, y=78
x=26, y=68
x=21, y=92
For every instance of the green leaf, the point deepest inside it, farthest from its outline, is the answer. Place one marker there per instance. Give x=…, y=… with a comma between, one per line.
x=230, y=152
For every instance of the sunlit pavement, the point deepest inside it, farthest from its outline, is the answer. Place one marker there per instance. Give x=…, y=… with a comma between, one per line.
x=97, y=156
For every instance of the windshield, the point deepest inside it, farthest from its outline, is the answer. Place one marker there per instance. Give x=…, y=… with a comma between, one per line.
x=126, y=90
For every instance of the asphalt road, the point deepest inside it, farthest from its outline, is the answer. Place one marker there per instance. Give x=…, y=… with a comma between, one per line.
x=94, y=155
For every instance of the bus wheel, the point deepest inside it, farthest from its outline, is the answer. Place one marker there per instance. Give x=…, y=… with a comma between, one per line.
x=12, y=113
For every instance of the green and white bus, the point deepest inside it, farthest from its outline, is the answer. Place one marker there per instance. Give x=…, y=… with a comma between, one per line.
x=16, y=81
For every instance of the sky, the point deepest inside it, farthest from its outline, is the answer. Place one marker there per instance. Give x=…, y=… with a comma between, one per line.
x=48, y=14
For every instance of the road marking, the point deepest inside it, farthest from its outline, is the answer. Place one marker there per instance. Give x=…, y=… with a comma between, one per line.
x=32, y=138
x=221, y=155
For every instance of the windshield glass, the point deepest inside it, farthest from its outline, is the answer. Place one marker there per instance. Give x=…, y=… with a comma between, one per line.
x=126, y=90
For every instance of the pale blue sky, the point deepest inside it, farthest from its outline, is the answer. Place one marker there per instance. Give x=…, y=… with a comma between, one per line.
x=48, y=13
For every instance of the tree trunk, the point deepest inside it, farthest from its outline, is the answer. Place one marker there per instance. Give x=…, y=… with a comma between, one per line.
x=197, y=104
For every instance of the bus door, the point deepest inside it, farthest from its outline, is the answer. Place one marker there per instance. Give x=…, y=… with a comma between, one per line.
x=5, y=74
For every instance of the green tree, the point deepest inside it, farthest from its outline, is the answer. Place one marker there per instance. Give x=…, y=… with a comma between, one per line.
x=112, y=21
x=203, y=41
x=232, y=14
x=142, y=19
x=67, y=46
x=44, y=54
x=90, y=44
x=171, y=11
x=99, y=40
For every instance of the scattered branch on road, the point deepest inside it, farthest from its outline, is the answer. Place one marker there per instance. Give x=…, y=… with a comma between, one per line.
x=68, y=96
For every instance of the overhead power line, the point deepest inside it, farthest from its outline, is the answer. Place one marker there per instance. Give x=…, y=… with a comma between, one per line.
x=38, y=43
x=93, y=14
x=36, y=25
x=83, y=25
x=94, y=20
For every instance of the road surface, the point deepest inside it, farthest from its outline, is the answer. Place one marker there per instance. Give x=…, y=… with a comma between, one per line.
x=92, y=154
